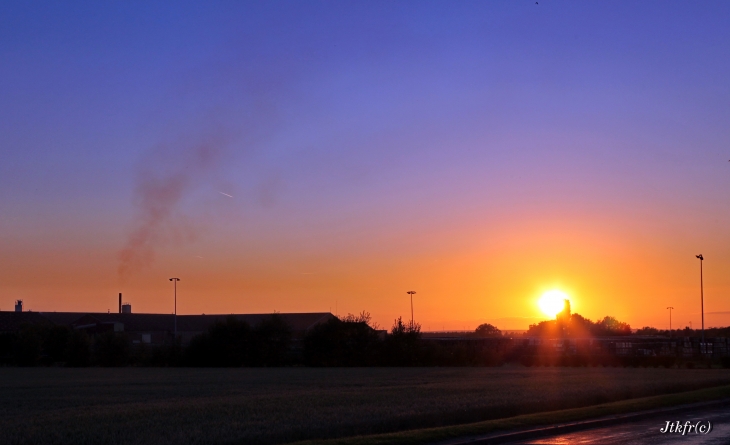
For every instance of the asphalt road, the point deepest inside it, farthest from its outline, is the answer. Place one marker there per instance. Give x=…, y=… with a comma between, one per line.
x=647, y=431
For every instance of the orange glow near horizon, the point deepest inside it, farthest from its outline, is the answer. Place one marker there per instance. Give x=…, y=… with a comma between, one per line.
x=463, y=277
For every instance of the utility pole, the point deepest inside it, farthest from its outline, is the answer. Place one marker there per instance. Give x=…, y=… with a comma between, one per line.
x=411, y=292
x=175, y=280
x=702, y=297
x=670, y=321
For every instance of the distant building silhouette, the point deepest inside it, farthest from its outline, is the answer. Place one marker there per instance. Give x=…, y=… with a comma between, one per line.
x=155, y=329
x=564, y=315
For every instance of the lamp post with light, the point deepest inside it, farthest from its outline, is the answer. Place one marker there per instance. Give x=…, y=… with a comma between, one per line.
x=411, y=292
x=670, y=320
x=702, y=297
x=175, y=280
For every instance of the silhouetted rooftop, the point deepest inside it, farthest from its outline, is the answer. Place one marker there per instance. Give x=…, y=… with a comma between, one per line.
x=11, y=321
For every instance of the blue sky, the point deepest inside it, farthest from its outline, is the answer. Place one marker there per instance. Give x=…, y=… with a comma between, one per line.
x=352, y=133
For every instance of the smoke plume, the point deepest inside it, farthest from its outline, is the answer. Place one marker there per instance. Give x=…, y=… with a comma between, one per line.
x=164, y=179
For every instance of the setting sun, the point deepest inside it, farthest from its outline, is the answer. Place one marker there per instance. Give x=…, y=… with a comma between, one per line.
x=552, y=302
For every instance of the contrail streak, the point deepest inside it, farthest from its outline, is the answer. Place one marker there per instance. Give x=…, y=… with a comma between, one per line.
x=225, y=194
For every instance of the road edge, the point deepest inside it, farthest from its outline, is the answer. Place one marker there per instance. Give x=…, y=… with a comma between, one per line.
x=570, y=427
x=502, y=430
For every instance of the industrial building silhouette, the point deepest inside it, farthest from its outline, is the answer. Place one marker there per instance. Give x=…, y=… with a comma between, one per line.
x=153, y=329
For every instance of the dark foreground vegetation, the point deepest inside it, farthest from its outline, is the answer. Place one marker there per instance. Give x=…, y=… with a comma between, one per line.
x=279, y=405
x=353, y=341
x=349, y=341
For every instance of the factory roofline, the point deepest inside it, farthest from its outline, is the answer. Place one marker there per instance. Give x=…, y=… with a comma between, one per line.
x=298, y=322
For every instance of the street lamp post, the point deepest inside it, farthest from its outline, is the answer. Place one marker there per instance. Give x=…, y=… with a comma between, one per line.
x=411, y=292
x=702, y=297
x=175, y=280
x=670, y=320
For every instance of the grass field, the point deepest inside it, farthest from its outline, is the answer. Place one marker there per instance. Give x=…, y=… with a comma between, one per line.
x=278, y=405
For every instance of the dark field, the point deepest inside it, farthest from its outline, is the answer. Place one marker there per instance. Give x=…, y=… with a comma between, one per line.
x=276, y=405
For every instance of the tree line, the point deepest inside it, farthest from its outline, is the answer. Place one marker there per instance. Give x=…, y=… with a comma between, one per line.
x=577, y=326
x=352, y=340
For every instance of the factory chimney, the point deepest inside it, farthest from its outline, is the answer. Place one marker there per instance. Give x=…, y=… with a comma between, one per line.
x=120, y=302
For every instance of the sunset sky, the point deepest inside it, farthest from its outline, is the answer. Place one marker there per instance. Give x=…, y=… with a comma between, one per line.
x=330, y=156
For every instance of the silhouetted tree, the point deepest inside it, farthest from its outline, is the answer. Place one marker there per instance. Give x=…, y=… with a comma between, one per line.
x=546, y=329
x=647, y=330
x=7, y=348
x=78, y=349
x=55, y=344
x=111, y=349
x=578, y=326
x=362, y=317
x=349, y=341
x=487, y=330
x=403, y=346
x=233, y=343
x=271, y=342
x=717, y=332
x=226, y=343
x=611, y=326
x=28, y=345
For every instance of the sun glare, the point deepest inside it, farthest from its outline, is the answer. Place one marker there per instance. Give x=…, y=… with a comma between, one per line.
x=552, y=302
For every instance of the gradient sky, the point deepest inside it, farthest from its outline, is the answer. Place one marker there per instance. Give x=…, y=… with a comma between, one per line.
x=316, y=156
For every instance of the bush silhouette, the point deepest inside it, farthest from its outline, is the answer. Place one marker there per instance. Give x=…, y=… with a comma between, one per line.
x=233, y=343
x=225, y=344
x=341, y=343
x=487, y=330
x=28, y=345
x=403, y=346
x=111, y=349
x=78, y=349
x=270, y=342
